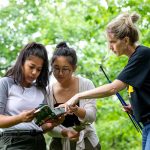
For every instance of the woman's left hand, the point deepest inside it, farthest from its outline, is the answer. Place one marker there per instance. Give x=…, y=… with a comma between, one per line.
x=72, y=109
x=73, y=101
x=50, y=124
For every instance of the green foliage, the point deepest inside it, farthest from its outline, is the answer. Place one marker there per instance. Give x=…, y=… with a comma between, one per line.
x=114, y=128
x=82, y=24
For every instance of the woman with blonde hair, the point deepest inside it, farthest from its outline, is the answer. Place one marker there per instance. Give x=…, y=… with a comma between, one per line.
x=123, y=36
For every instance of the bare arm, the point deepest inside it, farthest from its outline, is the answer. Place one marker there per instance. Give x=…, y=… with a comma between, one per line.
x=8, y=121
x=103, y=91
x=78, y=111
x=99, y=92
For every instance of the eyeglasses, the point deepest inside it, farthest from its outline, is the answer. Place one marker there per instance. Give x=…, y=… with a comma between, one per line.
x=64, y=71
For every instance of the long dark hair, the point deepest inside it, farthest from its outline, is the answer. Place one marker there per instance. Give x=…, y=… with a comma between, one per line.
x=62, y=49
x=34, y=49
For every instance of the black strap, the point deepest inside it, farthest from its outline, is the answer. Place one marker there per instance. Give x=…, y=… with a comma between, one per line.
x=20, y=132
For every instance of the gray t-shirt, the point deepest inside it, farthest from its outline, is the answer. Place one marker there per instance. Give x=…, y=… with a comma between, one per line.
x=14, y=99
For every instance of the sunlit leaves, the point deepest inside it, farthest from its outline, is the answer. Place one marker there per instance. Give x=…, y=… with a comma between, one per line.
x=82, y=24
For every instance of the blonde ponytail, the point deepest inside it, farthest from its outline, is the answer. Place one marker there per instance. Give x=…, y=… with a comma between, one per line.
x=124, y=26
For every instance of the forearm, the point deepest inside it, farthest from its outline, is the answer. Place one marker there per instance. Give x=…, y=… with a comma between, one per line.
x=8, y=121
x=99, y=92
x=80, y=112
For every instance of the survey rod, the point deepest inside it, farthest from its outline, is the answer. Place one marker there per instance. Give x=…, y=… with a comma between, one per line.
x=131, y=116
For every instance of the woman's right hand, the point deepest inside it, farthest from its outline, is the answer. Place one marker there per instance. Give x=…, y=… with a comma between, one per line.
x=71, y=134
x=71, y=102
x=27, y=115
x=50, y=124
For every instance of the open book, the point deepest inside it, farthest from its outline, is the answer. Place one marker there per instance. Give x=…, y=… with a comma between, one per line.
x=44, y=113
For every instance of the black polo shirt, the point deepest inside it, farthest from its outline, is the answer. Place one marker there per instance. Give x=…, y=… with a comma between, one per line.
x=137, y=74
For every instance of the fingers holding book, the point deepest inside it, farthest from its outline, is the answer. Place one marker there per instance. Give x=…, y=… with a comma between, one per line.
x=70, y=109
x=44, y=114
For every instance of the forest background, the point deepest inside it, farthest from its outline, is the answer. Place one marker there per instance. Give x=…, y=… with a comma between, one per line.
x=81, y=23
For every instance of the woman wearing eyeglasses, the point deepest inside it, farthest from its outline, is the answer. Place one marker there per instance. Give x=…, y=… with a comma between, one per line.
x=64, y=137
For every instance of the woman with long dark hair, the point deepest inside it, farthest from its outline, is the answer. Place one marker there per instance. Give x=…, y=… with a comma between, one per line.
x=64, y=137
x=22, y=89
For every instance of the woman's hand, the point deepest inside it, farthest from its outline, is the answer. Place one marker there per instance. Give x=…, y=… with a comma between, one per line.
x=50, y=124
x=27, y=116
x=73, y=101
x=60, y=119
x=70, y=103
x=128, y=109
x=69, y=109
x=72, y=109
x=71, y=134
